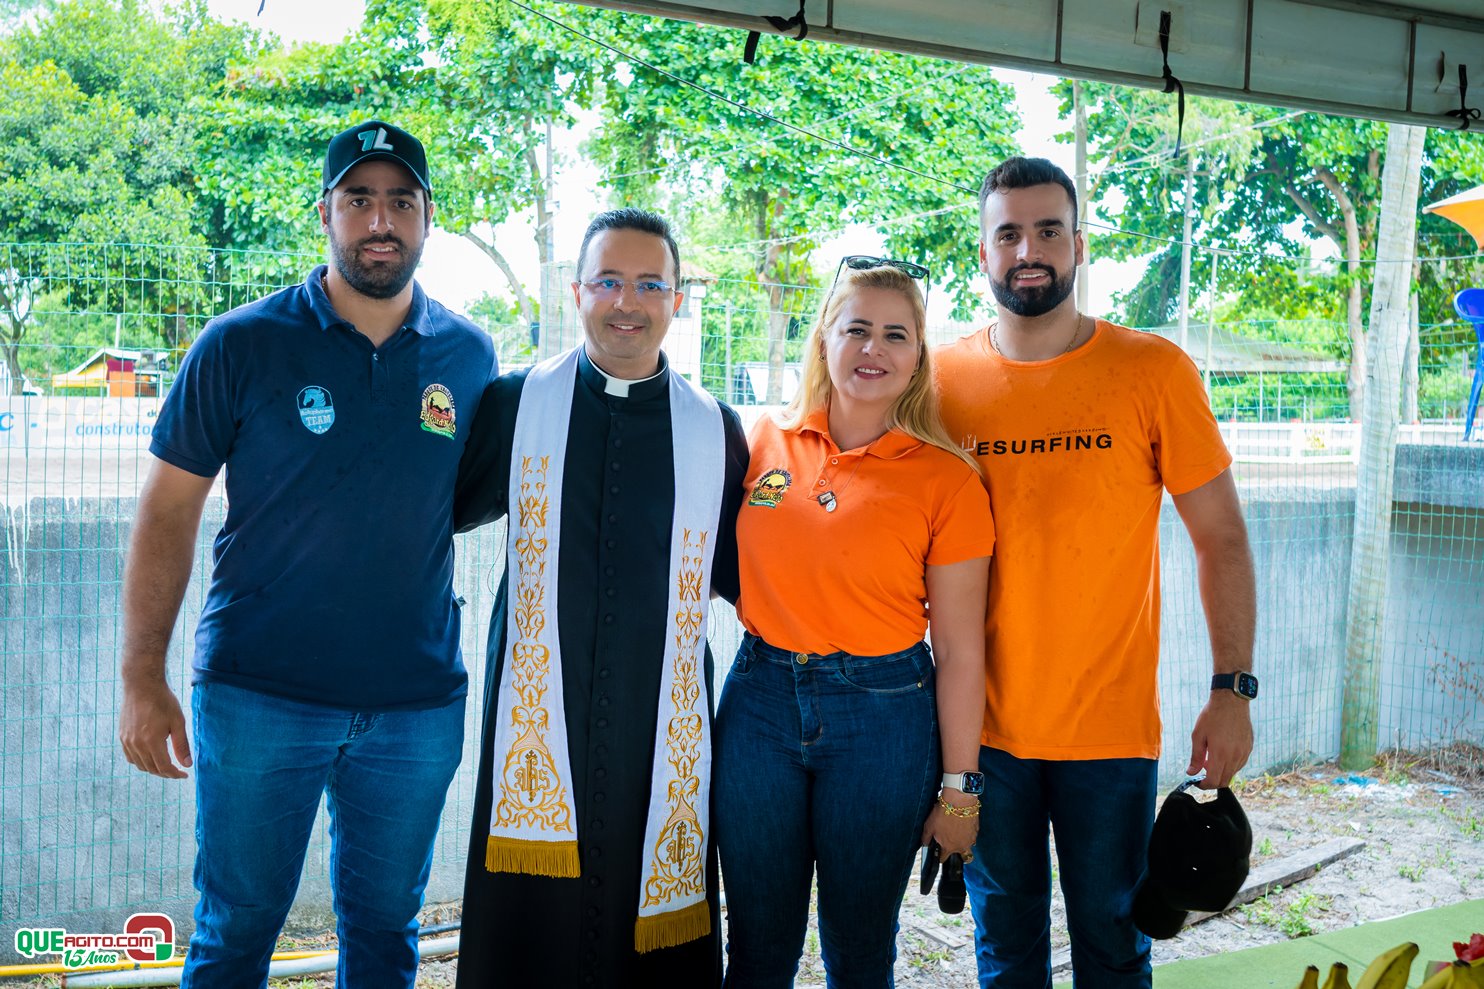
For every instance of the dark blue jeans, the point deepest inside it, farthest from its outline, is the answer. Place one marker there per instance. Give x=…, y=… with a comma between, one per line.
x=1101, y=811
x=827, y=762
x=262, y=764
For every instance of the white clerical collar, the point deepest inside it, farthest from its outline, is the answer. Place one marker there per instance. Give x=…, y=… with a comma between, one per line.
x=619, y=387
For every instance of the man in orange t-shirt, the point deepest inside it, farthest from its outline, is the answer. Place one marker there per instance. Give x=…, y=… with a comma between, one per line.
x=1081, y=426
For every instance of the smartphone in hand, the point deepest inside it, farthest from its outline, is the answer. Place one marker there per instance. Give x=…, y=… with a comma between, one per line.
x=951, y=890
x=930, y=855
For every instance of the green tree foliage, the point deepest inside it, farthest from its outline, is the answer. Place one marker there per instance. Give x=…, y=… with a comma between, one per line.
x=1259, y=177
x=1132, y=134
x=499, y=90
x=735, y=317
x=97, y=147
x=106, y=91
x=264, y=143
x=480, y=90
x=783, y=190
x=122, y=125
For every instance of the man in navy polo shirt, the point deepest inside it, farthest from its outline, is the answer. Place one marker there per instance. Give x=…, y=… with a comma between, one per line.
x=327, y=657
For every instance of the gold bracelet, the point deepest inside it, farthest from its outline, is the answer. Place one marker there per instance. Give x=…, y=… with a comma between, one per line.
x=971, y=811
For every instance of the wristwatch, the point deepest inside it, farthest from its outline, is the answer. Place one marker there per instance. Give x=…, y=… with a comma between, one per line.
x=1241, y=683
x=970, y=783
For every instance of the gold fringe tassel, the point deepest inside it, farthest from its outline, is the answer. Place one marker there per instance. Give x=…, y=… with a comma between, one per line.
x=666, y=930
x=534, y=858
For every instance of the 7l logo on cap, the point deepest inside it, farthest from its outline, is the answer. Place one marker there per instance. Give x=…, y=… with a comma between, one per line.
x=374, y=140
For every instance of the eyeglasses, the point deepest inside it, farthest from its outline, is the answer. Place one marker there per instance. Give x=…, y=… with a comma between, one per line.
x=612, y=288
x=864, y=262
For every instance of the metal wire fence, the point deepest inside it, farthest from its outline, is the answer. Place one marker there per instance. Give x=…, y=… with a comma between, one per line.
x=92, y=335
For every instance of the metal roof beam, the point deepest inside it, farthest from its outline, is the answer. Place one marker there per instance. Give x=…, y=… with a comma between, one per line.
x=1402, y=12
x=1378, y=59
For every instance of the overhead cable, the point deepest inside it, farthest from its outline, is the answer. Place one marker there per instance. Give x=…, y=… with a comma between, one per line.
x=858, y=152
x=861, y=153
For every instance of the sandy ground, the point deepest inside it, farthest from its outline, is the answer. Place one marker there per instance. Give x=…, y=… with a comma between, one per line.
x=1421, y=818
x=1422, y=821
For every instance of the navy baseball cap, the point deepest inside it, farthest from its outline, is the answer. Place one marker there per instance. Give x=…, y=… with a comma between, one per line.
x=371, y=140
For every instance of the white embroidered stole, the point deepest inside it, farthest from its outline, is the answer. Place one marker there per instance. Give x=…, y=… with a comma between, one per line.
x=533, y=824
x=533, y=820
x=672, y=898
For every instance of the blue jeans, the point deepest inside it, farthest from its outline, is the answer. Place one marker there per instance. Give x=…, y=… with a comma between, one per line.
x=829, y=762
x=261, y=765
x=1101, y=811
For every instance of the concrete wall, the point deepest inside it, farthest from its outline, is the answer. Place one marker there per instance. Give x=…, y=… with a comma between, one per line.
x=1432, y=668
x=87, y=840
x=1440, y=475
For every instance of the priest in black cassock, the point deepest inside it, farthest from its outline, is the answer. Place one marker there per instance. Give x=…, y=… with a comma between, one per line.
x=591, y=861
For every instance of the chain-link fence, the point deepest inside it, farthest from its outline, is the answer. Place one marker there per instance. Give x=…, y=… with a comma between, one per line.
x=92, y=336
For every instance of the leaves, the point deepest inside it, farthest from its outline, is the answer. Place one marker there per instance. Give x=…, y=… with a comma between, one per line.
x=796, y=147
x=99, y=146
x=1266, y=184
x=781, y=182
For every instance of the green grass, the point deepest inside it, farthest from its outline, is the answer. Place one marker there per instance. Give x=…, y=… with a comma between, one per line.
x=1469, y=824
x=1295, y=918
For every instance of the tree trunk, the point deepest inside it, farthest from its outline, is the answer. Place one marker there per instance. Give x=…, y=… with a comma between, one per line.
x=1355, y=383
x=777, y=341
x=1356, y=377
x=1410, y=379
x=1185, y=249
x=1079, y=109
x=13, y=365
x=1370, y=555
x=17, y=296
x=522, y=301
x=772, y=279
x=540, y=187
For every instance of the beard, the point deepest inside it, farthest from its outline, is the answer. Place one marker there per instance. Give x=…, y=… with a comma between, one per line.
x=380, y=279
x=1037, y=301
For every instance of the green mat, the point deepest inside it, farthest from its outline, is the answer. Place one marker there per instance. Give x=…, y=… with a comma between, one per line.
x=1281, y=966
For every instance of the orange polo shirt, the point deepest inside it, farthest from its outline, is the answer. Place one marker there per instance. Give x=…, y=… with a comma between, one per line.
x=852, y=580
x=1077, y=452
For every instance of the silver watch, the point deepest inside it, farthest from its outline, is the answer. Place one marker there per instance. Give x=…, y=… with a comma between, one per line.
x=970, y=783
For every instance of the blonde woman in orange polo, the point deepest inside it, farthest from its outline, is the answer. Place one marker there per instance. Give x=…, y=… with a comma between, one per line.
x=837, y=723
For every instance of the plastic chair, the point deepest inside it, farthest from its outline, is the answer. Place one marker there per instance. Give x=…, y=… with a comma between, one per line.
x=1469, y=304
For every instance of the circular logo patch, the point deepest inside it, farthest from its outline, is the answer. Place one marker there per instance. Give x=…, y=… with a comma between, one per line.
x=768, y=492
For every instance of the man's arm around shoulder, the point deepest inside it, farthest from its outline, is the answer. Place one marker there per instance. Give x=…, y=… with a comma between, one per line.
x=480, y=492
x=1222, y=738
x=162, y=546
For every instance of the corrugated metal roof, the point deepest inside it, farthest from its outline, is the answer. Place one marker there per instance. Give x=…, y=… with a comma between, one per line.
x=1386, y=60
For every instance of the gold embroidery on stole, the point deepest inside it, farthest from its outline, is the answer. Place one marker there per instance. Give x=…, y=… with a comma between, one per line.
x=531, y=791
x=679, y=865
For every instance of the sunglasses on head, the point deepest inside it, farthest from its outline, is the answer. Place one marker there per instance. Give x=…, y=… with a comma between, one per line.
x=865, y=262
